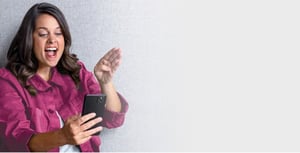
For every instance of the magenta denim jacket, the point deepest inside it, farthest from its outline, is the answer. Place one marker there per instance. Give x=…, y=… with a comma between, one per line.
x=22, y=115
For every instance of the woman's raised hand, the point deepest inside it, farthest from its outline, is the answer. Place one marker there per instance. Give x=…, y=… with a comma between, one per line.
x=107, y=65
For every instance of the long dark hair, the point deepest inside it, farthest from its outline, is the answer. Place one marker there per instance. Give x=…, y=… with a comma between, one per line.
x=21, y=59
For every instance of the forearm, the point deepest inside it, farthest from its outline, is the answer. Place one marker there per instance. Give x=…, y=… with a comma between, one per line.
x=113, y=102
x=43, y=142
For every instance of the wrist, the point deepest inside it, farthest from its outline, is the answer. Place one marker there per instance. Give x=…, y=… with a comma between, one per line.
x=62, y=139
x=106, y=87
x=43, y=142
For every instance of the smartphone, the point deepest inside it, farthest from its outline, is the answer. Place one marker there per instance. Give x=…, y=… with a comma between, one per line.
x=94, y=103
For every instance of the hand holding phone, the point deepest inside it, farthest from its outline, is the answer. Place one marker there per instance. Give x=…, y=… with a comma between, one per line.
x=94, y=103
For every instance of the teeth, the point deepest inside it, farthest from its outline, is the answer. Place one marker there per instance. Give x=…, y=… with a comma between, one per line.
x=50, y=49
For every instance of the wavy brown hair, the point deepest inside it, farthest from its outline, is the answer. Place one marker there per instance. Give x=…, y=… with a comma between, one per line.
x=21, y=59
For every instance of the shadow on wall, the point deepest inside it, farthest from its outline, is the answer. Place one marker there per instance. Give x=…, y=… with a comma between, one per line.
x=3, y=52
x=5, y=40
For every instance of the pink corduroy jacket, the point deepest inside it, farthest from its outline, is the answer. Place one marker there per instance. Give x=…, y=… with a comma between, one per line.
x=22, y=115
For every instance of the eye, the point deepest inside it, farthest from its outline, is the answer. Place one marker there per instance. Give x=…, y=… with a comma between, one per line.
x=58, y=33
x=43, y=34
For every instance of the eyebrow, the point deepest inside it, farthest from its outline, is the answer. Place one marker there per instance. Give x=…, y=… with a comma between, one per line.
x=46, y=28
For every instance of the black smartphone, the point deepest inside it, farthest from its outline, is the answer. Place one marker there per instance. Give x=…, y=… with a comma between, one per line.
x=94, y=103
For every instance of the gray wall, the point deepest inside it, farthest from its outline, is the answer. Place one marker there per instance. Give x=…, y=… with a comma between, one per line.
x=198, y=75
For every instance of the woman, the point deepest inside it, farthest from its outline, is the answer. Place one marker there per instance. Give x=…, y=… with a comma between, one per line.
x=43, y=87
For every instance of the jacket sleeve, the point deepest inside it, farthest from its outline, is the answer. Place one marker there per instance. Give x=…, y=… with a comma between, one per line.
x=110, y=119
x=15, y=131
x=115, y=119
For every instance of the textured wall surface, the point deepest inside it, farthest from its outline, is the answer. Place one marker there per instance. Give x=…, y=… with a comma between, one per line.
x=198, y=75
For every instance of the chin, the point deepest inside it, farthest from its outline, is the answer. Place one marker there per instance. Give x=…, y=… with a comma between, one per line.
x=52, y=64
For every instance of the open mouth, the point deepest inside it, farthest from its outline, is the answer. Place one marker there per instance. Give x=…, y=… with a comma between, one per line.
x=51, y=51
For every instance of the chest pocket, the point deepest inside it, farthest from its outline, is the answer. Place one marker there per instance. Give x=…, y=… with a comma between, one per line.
x=78, y=101
x=74, y=101
x=40, y=119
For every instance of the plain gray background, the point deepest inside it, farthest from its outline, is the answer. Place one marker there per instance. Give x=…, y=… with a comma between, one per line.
x=198, y=75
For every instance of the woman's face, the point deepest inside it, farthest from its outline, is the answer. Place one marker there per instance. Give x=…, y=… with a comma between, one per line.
x=48, y=41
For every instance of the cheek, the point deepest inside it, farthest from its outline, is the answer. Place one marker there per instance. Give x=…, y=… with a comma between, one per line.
x=38, y=44
x=37, y=53
x=62, y=44
x=35, y=47
x=38, y=47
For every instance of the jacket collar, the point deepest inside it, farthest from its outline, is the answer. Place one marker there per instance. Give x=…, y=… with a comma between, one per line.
x=41, y=85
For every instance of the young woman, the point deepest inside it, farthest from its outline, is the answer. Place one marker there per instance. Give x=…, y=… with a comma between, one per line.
x=43, y=87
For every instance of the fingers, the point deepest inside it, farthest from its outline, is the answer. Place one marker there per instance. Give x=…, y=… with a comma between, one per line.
x=90, y=123
x=85, y=136
x=93, y=131
x=107, y=65
x=116, y=55
x=86, y=117
x=112, y=55
x=115, y=65
x=109, y=53
x=77, y=129
x=111, y=59
x=111, y=65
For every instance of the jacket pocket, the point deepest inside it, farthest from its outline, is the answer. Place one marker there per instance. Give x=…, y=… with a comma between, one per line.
x=39, y=120
x=77, y=101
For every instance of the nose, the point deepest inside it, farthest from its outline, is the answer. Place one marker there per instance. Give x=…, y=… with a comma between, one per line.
x=51, y=40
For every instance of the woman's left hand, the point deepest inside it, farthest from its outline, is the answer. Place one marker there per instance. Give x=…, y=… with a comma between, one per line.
x=107, y=65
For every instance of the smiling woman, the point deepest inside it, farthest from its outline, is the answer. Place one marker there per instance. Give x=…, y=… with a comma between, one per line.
x=48, y=42
x=43, y=87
